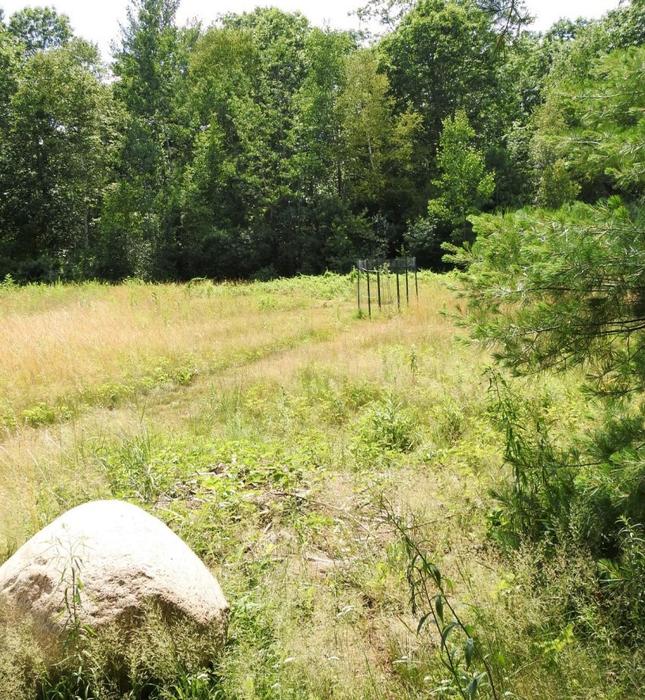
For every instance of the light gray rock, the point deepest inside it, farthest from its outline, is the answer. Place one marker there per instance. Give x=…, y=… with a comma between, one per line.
x=106, y=562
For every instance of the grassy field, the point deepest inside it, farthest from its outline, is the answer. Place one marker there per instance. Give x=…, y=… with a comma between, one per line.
x=283, y=438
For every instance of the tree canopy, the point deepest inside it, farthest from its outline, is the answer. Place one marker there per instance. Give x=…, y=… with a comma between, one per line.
x=263, y=146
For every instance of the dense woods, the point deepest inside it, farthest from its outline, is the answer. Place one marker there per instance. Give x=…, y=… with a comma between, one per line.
x=263, y=146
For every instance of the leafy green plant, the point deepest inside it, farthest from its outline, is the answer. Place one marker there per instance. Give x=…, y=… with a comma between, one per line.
x=462, y=654
x=538, y=503
x=74, y=682
x=8, y=284
x=44, y=414
x=196, y=686
x=414, y=364
x=625, y=581
x=557, y=289
x=137, y=468
x=387, y=427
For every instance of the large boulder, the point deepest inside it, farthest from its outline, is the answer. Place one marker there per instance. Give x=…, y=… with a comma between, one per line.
x=107, y=562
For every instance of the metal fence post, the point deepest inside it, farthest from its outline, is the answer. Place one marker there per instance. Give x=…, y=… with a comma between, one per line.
x=358, y=289
x=383, y=269
x=398, y=291
x=416, y=279
x=378, y=287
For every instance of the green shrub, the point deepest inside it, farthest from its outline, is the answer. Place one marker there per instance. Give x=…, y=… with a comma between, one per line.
x=587, y=493
x=385, y=429
x=536, y=504
x=43, y=414
x=623, y=581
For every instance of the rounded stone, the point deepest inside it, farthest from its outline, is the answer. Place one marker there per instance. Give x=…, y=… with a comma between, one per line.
x=106, y=562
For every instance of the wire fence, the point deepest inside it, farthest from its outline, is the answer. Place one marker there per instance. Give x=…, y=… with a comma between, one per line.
x=384, y=282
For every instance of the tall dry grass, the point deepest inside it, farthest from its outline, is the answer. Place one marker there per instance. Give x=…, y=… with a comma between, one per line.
x=273, y=458
x=59, y=343
x=75, y=345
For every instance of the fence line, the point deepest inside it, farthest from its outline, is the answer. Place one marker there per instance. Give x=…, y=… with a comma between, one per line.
x=384, y=270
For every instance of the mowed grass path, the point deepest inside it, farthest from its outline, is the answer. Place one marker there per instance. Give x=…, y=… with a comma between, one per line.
x=64, y=347
x=270, y=427
x=93, y=358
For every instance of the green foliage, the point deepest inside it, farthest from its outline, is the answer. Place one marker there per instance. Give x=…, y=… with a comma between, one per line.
x=559, y=289
x=9, y=68
x=564, y=287
x=444, y=58
x=556, y=185
x=464, y=658
x=387, y=426
x=163, y=659
x=462, y=188
x=260, y=147
x=140, y=208
x=317, y=124
x=453, y=40
x=537, y=505
x=574, y=489
x=42, y=414
x=376, y=143
x=463, y=182
x=141, y=469
x=40, y=28
x=592, y=128
x=59, y=139
x=623, y=580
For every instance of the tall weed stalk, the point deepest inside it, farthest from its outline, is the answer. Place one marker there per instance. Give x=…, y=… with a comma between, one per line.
x=462, y=654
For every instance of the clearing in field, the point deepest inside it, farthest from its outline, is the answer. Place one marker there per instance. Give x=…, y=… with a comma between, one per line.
x=283, y=437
